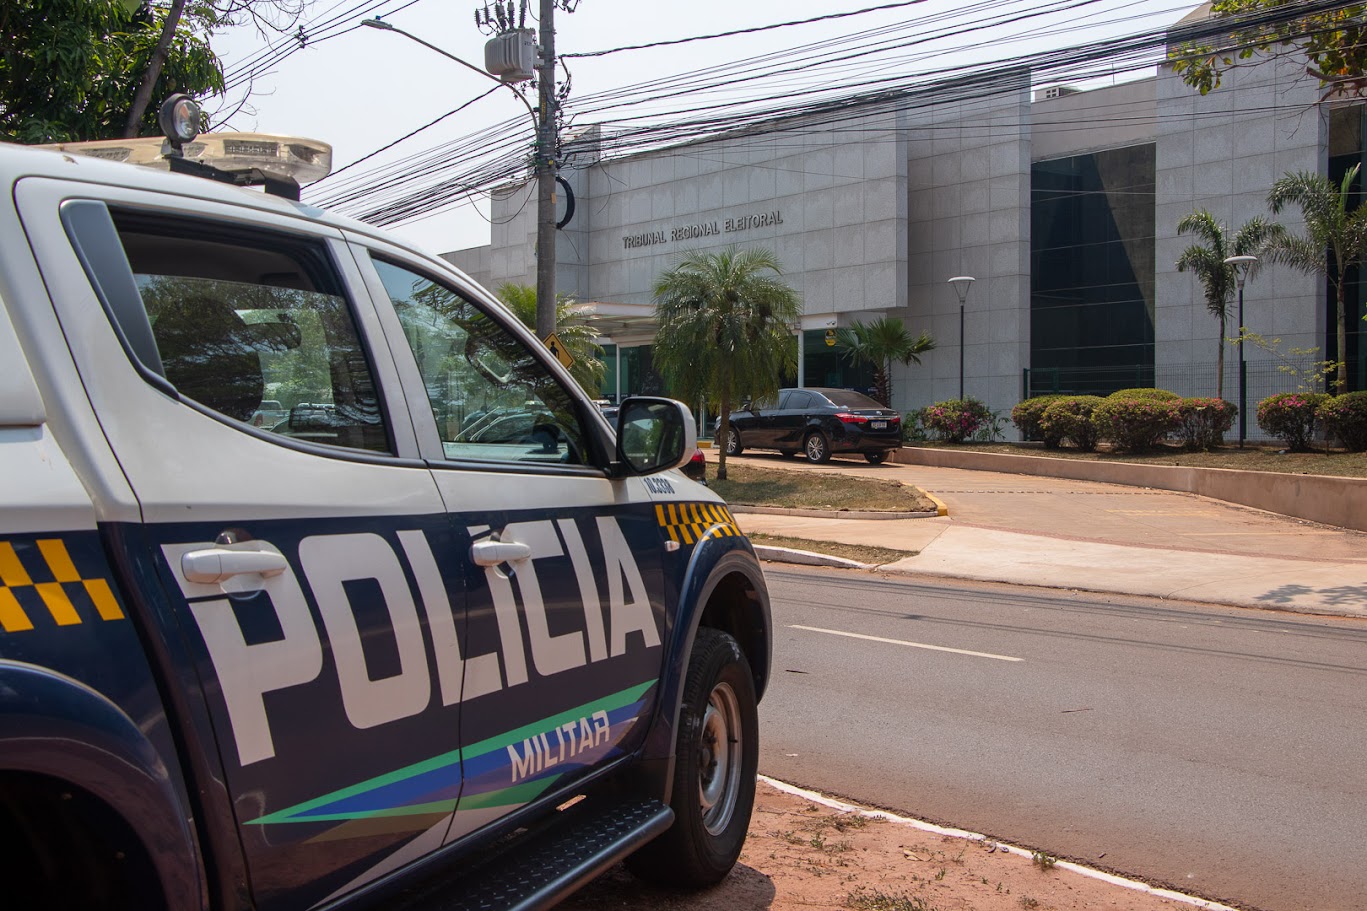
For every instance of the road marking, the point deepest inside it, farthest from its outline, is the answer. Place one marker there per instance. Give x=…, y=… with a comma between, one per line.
x=933, y=648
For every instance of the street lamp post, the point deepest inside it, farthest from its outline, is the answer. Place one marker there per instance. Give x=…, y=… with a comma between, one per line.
x=1241, y=266
x=961, y=285
x=387, y=27
x=545, y=158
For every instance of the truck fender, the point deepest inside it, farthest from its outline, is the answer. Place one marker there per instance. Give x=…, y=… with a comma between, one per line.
x=53, y=725
x=717, y=562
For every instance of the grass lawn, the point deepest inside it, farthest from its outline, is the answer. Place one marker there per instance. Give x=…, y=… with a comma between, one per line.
x=1250, y=458
x=749, y=486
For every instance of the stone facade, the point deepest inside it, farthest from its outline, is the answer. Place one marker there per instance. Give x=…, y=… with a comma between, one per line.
x=870, y=216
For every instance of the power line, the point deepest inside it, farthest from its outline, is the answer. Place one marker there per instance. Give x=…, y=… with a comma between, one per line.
x=404, y=195
x=745, y=31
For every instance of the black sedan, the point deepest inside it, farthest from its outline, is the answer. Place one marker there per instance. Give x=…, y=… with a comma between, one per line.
x=816, y=422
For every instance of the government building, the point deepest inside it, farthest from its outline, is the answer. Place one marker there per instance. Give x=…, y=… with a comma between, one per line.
x=1063, y=206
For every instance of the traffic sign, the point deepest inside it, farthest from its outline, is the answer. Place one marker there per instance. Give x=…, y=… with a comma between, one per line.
x=558, y=349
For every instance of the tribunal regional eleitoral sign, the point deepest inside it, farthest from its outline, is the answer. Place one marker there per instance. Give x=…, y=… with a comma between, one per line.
x=703, y=229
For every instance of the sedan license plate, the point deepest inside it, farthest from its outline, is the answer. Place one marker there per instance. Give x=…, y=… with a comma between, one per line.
x=879, y=425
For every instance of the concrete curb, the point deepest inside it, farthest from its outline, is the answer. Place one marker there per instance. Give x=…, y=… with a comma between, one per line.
x=805, y=557
x=837, y=513
x=1325, y=499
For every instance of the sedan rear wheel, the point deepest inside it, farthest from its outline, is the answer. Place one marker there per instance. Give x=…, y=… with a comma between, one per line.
x=817, y=447
x=876, y=458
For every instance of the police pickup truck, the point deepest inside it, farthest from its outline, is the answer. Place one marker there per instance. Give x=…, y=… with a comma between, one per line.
x=357, y=657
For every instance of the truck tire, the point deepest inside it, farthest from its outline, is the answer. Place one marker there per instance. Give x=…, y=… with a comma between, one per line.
x=717, y=755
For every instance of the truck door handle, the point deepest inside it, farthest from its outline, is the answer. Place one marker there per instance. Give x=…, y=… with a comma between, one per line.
x=218, y=564
x=492, y=553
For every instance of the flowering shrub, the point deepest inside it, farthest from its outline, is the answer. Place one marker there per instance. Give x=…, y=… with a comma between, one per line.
x=1069, y=417
x=955, y=420
x=1026, y=416
x=1136, y=424
x=1291, y=418
x=1146, y=393
x=1204, y=422
x=1344, y=417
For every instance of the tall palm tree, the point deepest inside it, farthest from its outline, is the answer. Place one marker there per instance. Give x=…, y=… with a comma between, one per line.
x=725, y=329
x=1207, y=261
x=878, y=344
x=1330, y=226
x=577, y=336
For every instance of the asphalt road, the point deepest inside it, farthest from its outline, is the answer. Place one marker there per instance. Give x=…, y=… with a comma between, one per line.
x=1218, y=751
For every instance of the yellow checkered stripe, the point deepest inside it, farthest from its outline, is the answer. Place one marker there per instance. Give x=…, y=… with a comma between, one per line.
x=689, y=523
x=55, y=595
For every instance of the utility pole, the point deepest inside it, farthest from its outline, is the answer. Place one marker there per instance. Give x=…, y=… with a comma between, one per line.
x=545, y=176
x=511, y=55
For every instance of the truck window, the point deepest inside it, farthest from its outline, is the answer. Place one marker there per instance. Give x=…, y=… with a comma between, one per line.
x=256, y=327
x=493, y=399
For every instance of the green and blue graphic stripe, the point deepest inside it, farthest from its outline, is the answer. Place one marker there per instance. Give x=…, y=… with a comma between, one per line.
x=433, y=785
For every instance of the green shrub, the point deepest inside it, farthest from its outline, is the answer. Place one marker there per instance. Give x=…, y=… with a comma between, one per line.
x=955, y=421
x=1146, y=393
x=913, y=431
x=992, y=429
x=1136, y=424
x=1026, y=416
x=1069, y=417
x=1204, y=422
x=1291, y=417
x=1344, y=417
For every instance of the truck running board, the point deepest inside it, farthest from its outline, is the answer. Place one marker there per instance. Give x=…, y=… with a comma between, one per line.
x=542, y=869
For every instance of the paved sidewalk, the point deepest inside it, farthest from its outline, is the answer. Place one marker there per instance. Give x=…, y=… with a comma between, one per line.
x=1097, y=537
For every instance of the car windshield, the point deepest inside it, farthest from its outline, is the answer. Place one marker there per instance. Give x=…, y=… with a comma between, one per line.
x=846, y=398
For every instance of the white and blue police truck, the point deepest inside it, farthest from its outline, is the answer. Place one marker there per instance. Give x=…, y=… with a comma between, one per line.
x=436, y=637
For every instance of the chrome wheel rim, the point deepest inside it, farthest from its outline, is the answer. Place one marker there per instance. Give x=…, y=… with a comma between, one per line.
x=719, y=759
x=732, y=442
x=816, y=447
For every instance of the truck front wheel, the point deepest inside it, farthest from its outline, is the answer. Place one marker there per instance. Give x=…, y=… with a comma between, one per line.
x=717, y=754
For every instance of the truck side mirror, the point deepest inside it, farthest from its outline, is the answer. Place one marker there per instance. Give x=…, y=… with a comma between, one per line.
x=654, y=434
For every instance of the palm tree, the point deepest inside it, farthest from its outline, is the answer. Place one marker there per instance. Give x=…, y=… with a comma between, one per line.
x=878, y=344
x=1330, y=226
x=1207, y=261
x=725, y=327
x=575, y=335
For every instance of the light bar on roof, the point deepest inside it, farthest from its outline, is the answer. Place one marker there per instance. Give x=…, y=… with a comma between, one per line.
x=304, y=160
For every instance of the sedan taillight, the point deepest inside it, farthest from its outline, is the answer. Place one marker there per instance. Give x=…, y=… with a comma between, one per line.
x=848, y=418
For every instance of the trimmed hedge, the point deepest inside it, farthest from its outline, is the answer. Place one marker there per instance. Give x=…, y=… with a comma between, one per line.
x=955, y=421
x=1136, y=424
x=1069, y=417
x=1291, y=417
x=1204, y=422
x=1027, y=418
x=1344, y=418
x=1147, y=394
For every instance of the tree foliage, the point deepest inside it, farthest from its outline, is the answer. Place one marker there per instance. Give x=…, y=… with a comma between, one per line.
x=725, y=329
x=1206, y=260
x=878, y=344
x=70, y=69
x=1334, y=222
x=1333, y=41
x=577, y=336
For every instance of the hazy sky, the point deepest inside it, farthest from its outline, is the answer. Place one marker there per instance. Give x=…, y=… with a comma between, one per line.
x=367, y=88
